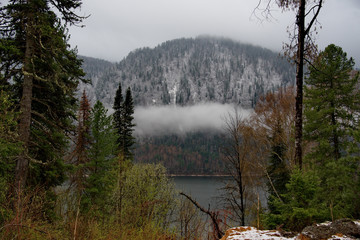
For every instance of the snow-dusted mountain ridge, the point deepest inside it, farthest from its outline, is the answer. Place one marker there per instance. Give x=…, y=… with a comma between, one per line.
x=190, y=71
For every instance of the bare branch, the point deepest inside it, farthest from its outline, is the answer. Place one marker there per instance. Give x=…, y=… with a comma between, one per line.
x=314, y=18
x=214, y=216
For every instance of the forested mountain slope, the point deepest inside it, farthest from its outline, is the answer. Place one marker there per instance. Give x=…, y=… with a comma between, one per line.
x=191, y=71
x=95, y=69
x=187, y=72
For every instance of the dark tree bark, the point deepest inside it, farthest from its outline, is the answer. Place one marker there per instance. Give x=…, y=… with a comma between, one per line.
x=304, y=47
x=22, y=163
x=39, y=64
x=300, y=22
x=303, y=34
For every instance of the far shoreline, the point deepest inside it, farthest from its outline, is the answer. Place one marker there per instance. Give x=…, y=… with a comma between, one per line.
x=198, y=175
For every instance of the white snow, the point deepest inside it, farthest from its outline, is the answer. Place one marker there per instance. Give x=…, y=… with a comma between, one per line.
x=242, y=233
x=324, y=224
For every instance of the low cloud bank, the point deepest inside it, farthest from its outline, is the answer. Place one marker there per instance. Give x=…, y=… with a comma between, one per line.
x=160, y=120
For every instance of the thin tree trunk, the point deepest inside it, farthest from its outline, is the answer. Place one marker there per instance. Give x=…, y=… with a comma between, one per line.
x=241, y=192
x=22, y=163
x=335, y=135
x=299, y=84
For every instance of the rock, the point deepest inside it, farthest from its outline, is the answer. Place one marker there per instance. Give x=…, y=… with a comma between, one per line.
x=341, y=228
x=338, y=230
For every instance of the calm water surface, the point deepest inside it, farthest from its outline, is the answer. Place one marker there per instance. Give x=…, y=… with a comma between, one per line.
x=204, y=189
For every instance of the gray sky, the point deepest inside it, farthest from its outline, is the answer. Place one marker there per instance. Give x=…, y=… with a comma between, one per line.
x=116, y=27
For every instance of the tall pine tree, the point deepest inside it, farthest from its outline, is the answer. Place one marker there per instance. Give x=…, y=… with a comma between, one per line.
x=331, y=105
x=101, y=164
x=128, y=139
x=123, y=122
x=331, y=114
x=43, y=73
x=118, y=114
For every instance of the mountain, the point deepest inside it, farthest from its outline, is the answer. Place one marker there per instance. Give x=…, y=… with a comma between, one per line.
x=191, y=71
x=95, y=70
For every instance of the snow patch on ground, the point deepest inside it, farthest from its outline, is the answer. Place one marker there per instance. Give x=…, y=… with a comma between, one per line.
x=324, y=224
x=340, y=237
x=247, y=233
x=241, y=233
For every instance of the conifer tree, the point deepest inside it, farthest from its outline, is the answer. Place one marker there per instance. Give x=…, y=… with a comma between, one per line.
x=123, y=122
x=128, y=139
x=118, y=114
x=301, y=46
x=331, y=111
x=43, y=73
x=80, y=155
x=331, y=105
x=98, y=185
x=9, y=148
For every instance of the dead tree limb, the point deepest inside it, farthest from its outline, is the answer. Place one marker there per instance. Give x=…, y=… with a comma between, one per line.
x=213, y=215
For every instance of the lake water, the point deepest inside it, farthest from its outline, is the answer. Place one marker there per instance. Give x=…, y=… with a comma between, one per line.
x=204, y=189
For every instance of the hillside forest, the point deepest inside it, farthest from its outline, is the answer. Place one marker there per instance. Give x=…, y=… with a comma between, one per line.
x=72, y=167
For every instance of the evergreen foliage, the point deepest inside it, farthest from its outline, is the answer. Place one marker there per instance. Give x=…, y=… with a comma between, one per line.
x=118, y=113
x=328, y=189
x=9, y=148
x=331, y=110
x=123, y=122
x=278, y=171
x=80, y=156
x=128, y=139
x=331, y=104
x=101, y=176
x=298, y=207
x=43, y=73
x=191, y=153
x=37, y=112
x=9, y=145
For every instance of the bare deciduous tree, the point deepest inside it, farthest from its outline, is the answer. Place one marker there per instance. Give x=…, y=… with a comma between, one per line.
x=249, y=146
x=240, y=150
x=301, y=45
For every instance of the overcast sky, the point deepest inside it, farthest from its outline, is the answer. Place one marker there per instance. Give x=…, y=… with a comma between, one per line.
x=117, y=27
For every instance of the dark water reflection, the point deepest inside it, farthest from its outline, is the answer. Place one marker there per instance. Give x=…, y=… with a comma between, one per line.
x=204, y=189
x=207, y=190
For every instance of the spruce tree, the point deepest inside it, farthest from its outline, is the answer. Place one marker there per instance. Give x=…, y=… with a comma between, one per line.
x=123, y=122
x=128, y=139
x=331, y=104
x=100, y=180
x=118, y=114
x=43, y=73
x=331, y=114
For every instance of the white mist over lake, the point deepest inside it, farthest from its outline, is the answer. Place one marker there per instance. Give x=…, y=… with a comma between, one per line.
x=160, y=120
